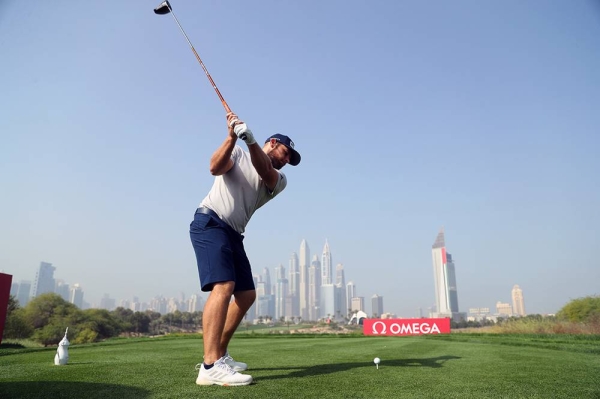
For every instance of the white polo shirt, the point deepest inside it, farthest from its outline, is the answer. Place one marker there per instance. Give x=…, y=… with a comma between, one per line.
x=237, y=194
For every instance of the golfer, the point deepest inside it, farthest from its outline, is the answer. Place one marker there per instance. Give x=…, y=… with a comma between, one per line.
x=244, y=181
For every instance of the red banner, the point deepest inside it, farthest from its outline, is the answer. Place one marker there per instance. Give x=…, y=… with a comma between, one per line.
x=5, y=282
x=399, y=327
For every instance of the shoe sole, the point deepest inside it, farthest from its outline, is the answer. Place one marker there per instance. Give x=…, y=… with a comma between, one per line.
x=223, y=384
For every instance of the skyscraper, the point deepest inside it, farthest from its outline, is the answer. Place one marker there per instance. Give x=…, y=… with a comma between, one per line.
x=107, y=302
x=304, y=264
x=326, y=265
x=314, y=289
x=341, y=308
x=44, y=280
x=281, y=292
x=327, y=303
x=350, y=295
x=376, y=305
x=294, y=286
x=62, y=289
x=517, y=300
x=24, y=292
x=76, y=297
x=446, y=295
x=267, y=281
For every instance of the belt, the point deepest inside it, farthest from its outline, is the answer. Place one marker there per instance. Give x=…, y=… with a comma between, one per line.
x=207, y=211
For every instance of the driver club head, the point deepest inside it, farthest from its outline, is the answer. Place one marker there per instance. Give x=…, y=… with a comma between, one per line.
x=163, y=8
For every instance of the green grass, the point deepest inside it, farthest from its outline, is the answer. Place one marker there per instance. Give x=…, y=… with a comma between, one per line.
x=289, y=366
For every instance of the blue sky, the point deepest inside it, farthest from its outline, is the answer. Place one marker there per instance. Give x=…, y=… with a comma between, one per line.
x=481, y=117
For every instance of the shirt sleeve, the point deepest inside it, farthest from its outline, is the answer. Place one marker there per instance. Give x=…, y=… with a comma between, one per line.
x=281, y=184
x=236, y=153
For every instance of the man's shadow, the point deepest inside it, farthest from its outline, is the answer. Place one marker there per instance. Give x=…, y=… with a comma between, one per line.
x=294, y=372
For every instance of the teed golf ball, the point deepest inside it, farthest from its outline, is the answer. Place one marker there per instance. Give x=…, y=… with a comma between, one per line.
x=376, y=360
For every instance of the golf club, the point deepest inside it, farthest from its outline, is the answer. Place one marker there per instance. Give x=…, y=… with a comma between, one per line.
x=165, y=8
x=239, y=128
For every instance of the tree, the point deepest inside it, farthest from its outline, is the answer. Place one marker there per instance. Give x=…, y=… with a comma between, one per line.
x=51, y=333
x=581, y=310
x=40, y=310
x=141, y=322
x=100, y=321
x=16, y=324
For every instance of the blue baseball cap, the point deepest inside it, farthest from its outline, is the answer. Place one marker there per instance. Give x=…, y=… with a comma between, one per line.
x=286, y=141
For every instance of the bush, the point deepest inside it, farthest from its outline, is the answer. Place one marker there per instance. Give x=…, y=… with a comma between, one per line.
x=582, y=310
x=87, y=335
x=17, y=326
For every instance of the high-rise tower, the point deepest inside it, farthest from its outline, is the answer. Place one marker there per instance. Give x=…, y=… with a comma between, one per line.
x=517, y=300
x=326, y=265
x=314, y=289
x=76, y=296
x=376, y=306
x=281, y=291
x=294, y=286
x=44, y=280
x=350, y=294
x=341, y=309
x=303, y=265
x=446, y=295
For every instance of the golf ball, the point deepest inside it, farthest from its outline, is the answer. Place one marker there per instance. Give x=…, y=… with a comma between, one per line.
x=376, y=360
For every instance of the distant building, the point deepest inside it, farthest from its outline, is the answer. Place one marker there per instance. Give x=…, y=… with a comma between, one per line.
x=376, y=305
x=326, y=265
x=478, y=314
x=358, y=304
x=341, y=303
x=281, y=292
x=62, y=289
x=24, y=292
x=350, y=295
x=504, y=309
x=107, y=303
x=293, y=287
x=195, y=304
x=517, y=301
x=314, y=289
x=44, y=280
x=327, y=303
x=266, y=278
x=304, y=265
x=444, y=274
x=76, y=297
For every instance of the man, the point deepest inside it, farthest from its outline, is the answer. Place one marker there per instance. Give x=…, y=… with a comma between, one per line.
x=244, y=182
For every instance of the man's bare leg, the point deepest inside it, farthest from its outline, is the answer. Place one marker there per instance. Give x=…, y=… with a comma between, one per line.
x=213, y=320
x=235, y=313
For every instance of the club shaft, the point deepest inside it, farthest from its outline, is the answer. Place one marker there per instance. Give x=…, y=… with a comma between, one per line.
x=212, y=82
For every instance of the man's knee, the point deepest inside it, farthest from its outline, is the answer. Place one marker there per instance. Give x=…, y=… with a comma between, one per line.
x=224, y=288
x=245, y=298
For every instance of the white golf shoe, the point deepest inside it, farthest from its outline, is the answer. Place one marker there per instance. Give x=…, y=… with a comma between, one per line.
x=236, y=366
x=221, y=374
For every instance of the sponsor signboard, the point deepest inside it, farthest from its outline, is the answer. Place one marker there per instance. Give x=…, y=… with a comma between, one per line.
x=400, y=327
x=5, y=282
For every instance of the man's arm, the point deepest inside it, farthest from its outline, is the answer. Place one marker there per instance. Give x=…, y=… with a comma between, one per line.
x=221, y=162
x=264, y=167
x=260, y=160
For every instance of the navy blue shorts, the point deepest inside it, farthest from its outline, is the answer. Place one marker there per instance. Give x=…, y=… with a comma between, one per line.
x=220, y=253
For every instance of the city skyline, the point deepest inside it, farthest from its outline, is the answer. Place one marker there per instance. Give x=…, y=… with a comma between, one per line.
x=286, y=298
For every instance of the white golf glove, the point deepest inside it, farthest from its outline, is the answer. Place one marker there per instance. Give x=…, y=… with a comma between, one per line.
x=243, y=132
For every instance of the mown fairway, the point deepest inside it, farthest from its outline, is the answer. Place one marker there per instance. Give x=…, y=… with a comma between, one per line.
x=455, y=366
